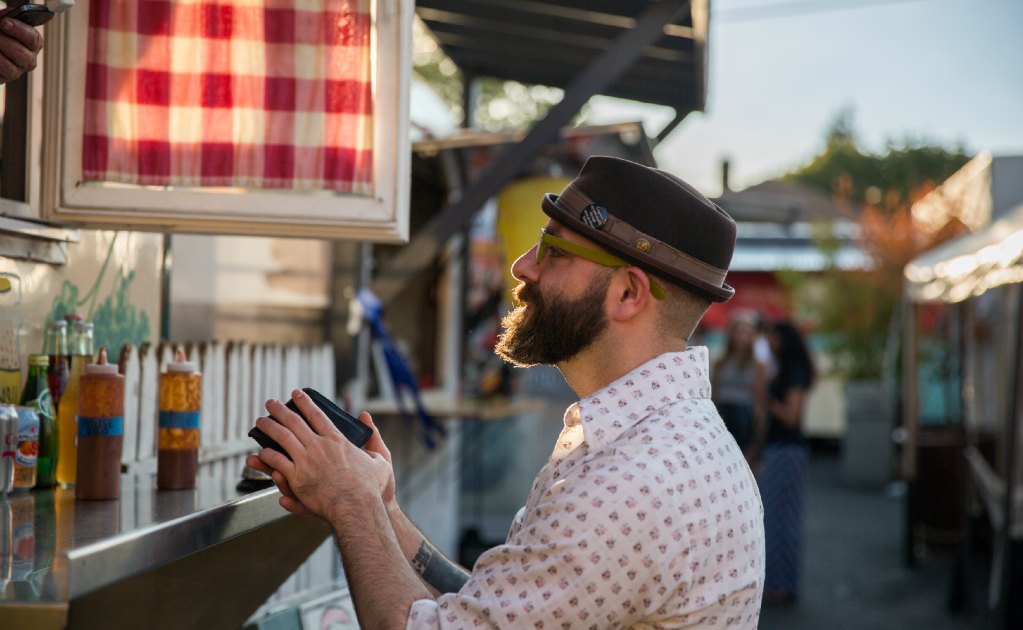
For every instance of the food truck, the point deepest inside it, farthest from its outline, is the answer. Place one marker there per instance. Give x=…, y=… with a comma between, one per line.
x=220, y=180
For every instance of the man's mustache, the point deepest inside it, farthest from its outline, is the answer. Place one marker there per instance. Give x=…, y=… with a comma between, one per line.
x=525, y=293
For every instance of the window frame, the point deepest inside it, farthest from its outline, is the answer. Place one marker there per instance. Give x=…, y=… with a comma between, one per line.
x=382, y=217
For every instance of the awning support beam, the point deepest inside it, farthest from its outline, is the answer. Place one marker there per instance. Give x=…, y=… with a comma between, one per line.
x=680, y=115
x=427, y=244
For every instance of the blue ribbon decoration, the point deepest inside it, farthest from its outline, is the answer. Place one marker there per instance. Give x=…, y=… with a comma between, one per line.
x=429, y=429
x=179, y=419
x=100, y=427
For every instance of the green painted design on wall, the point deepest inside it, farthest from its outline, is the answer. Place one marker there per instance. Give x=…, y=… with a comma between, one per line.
x=116, y=320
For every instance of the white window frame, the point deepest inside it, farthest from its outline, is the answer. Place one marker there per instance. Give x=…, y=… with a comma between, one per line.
x=382, y=217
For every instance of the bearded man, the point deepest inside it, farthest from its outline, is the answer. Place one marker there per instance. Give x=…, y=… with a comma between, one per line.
x=646, y=513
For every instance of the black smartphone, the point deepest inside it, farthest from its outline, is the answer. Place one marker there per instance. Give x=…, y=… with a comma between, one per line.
x=356, y=432
x=31, y=14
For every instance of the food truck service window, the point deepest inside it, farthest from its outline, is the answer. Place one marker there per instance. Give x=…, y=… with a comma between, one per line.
x=275, y=117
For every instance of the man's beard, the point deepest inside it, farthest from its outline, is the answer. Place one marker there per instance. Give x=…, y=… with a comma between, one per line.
x=542, y=331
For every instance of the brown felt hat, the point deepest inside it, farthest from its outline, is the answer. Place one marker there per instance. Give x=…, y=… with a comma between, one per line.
x=652, y=219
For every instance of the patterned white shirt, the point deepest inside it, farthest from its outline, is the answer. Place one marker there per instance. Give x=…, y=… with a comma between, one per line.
x=645, y=516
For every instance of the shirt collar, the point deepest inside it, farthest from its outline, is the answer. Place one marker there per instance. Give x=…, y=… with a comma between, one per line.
x=665, y=379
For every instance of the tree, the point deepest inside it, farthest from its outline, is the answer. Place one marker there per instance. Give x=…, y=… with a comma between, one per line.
x=855, y=310
x=500, y=105
x=888, y=182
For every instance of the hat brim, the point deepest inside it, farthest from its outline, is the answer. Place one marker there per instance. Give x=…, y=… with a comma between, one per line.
x=714, y=293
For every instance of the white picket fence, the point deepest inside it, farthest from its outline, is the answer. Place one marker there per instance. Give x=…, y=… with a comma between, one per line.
x=238, y=378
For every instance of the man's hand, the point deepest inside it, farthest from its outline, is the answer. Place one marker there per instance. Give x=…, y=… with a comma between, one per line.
x=375, y=444
x=19, y=46
x=327, y=476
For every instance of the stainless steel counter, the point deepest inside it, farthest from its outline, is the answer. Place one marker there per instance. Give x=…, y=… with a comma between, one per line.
x=56, y=551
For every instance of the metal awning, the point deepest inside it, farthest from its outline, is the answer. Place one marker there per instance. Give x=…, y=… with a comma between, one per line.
x=969, y=265
x=654, y=51
x=551, y=42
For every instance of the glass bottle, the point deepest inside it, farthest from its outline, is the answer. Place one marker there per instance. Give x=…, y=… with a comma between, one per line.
x=37, y=395
x=67, y=413
x=59, y=369
x=178, y=455
x=100, y=431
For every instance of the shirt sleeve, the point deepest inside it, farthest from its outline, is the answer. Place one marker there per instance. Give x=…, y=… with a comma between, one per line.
x=568, y=563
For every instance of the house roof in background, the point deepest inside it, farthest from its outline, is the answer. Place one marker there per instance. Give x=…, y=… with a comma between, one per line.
x=781, y=224
x=551, y=42
x=782, y=201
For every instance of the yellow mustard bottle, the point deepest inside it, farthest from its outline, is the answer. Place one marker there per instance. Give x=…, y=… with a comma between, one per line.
x=180, y=395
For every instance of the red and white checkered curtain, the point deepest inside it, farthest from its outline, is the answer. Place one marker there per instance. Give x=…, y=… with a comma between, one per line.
x=241, y=93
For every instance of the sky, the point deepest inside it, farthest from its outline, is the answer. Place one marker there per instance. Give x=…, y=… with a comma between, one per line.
x=943, y=71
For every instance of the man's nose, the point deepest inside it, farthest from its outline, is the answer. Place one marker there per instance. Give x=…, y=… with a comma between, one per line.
x=525, y=267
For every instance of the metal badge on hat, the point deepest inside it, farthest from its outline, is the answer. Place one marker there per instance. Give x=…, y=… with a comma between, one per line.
x=594, y=216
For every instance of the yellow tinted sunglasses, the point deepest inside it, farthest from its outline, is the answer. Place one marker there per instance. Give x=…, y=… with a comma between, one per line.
x=548, y=241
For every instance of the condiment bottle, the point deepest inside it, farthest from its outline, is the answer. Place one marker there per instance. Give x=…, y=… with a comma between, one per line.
x=67, y=411
x=59, y=369
x=37, y=395
x=178, y=455
x=100, y=431
x=26, y=453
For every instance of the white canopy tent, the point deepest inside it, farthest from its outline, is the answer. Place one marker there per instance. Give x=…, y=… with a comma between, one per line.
x=979, y=270
x=970, y=265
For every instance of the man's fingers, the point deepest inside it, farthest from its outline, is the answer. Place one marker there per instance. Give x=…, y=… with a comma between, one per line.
x=8, y=71
x=16, y=54
x=294, y=506
x=375, y=443
x=275, y=460
x=282, y=484
x=318, y=421
x=291, y=420
x=289, y=500
x=27, y=35
x=255, y=463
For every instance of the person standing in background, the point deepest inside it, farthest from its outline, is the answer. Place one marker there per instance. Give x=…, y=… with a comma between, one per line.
x=783, y=463
x=762, y=347
x=19, y=46
x=737, y=382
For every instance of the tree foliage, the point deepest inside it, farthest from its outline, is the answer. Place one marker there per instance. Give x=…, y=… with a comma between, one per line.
x=499, y=105
x=855, y=309
x=888, y=182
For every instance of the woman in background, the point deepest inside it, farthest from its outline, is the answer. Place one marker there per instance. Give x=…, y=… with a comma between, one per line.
x=737, y=385
x=783, y=463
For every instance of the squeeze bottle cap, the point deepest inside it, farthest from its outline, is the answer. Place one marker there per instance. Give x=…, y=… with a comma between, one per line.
x=101, y=366
x=179, y=364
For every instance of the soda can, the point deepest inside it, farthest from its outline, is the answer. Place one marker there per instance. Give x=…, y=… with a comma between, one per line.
x=26, y=452
x=8, y=442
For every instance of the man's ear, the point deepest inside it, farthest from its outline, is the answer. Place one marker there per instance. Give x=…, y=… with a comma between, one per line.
x=631, y=291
